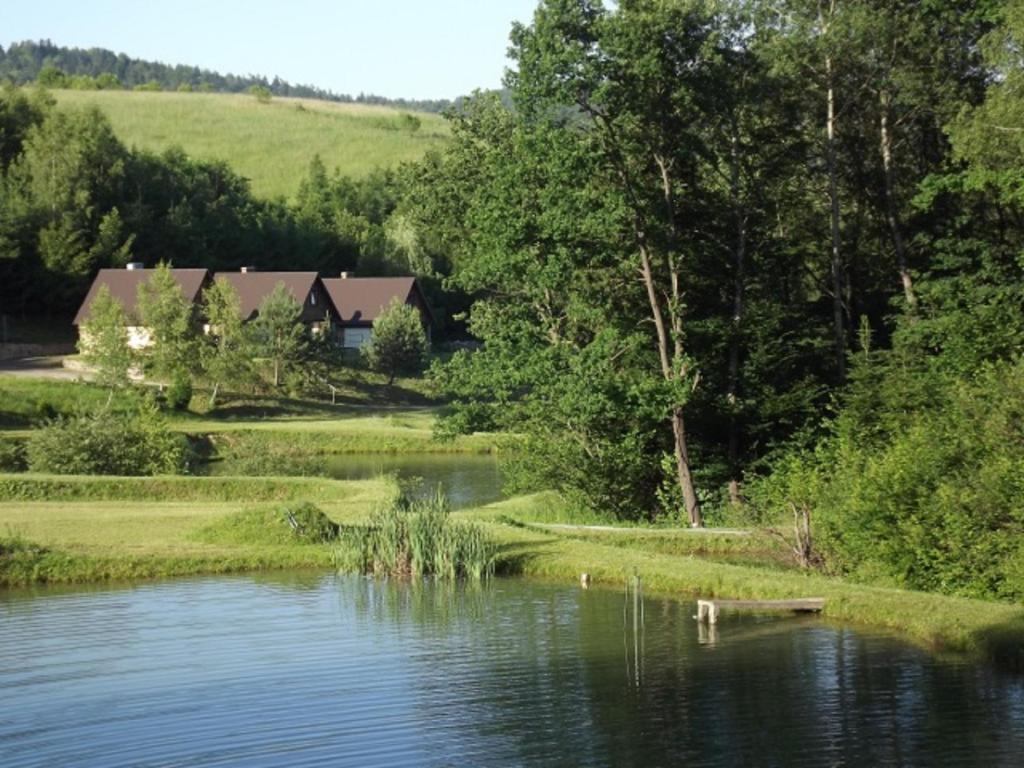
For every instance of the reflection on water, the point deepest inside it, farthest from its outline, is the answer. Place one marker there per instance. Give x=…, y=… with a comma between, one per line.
x=468, y=480
x=303, y=670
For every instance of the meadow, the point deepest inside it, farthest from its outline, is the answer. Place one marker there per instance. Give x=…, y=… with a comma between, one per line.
x=270, y=143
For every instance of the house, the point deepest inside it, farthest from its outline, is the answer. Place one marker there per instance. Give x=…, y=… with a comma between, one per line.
x=123, y=285
x=360, y=300
x=253, y=286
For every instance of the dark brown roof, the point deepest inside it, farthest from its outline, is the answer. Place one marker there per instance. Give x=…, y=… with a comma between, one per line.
x=359, y=300
x=254, y=287
x=123, y=285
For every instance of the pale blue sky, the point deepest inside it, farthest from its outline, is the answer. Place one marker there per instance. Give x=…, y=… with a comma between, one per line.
x=395, y=48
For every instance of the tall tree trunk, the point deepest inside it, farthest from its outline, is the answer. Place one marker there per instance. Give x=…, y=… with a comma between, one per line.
x=684, y=476
x=833, y=194
x=672, y=373
x=891, y=209
x=736, y=330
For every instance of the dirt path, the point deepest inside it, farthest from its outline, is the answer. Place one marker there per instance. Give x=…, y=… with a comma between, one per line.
x=41, y=368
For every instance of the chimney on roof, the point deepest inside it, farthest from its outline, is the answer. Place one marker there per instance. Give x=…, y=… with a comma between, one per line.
x=347, y=275
x=247, y=270
x=134, y=265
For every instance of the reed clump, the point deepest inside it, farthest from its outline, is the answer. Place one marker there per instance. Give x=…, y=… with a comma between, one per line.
x=416, y=537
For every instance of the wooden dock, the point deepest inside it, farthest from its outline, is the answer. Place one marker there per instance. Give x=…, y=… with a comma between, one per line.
x=708, y=610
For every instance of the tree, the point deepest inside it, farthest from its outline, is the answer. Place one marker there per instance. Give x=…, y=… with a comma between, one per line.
x=280, y=335
x=103, y=340
x=261, y=92
x=641, y=77
x=399, y=343
x=169, y=319
x=227, y=352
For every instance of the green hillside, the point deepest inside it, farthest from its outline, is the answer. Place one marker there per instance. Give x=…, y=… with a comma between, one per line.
x=269, y=143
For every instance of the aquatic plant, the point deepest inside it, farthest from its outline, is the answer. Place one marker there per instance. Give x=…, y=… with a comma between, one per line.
x=416, y=537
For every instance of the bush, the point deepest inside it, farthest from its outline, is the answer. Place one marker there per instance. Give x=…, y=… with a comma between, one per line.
x=106, y=443
x=179, y=392
x=301, y=522
x=934, y=501
x=12, y=456
x=309, y=524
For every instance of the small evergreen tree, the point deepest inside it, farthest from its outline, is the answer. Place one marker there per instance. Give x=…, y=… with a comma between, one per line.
x=103, y=341
x=399, y=343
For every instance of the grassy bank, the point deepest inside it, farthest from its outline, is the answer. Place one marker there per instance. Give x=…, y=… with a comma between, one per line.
x=271, y=144
x=348, y=432
x=79, y=530
x=987, y=629
x=76, y=530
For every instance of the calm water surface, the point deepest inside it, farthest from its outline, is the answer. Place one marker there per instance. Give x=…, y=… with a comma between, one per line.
x=468, y=480
x=308, y=670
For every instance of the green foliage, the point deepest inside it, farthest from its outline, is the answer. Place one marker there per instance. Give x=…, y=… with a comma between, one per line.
x=399, y=343
x=926, y=496
x=52, y=77
x=169, y=320
x=261, y=93
x=415, y=537
x=106, y=443
x=280, y=335
x=227, y=350
x=179, y=392
x=12, y=456
x=103, y=341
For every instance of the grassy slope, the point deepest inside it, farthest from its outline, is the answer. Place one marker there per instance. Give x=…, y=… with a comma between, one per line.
x=94, y=529
x=270, y=144
x=277, y=426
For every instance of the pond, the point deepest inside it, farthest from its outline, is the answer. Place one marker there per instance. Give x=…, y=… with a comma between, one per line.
x=468, y=480
x=312, y=670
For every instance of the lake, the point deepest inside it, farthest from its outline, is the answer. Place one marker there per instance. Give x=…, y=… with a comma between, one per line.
x=467, y=479
x=306, y=669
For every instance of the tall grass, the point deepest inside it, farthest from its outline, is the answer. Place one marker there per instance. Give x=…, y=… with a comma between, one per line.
x=416, y=537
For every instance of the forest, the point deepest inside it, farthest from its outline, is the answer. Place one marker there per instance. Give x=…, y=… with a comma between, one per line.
x=730, y=262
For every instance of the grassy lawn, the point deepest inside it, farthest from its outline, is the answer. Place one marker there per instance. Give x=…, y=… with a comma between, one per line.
x=95, y=529
x=271, y=144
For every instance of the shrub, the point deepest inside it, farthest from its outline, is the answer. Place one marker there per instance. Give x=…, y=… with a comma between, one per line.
x=106, y=443
x=12, y=456
x=933, y=501
x=309, y=524
x=300, y=522
x=179, y=392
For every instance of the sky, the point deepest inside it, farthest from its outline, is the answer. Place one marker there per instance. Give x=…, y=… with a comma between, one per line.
x=396, y=48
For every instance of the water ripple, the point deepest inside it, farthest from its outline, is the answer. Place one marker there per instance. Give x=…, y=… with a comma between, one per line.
x=304, y=670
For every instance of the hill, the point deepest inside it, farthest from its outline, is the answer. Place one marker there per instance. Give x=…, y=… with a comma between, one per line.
x=269, y=143
x=91, y=68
